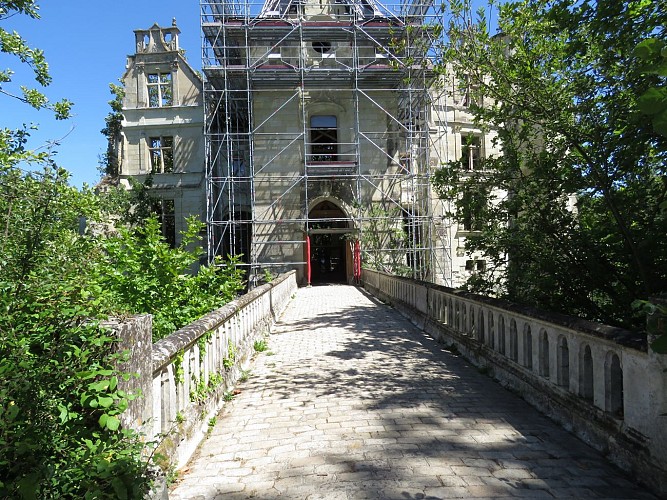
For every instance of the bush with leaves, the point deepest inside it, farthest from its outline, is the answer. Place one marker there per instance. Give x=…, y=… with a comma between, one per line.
x=141, y=274
x=60, y=434
x=59, y=399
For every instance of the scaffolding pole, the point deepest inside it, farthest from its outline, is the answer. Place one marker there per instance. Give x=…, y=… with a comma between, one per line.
x=269, y=68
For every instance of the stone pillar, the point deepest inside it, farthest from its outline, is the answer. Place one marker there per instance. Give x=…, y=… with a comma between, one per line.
x=135, y=336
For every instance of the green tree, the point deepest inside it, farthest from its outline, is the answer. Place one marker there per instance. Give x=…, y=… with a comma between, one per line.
x=581, y=225
x=141, y=273
x=68, y=260
x=109, y=163
x=14, y=45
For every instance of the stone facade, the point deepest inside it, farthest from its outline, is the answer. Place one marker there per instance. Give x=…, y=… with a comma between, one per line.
x=162, y=129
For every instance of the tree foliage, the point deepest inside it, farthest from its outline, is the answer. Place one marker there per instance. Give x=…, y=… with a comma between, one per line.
x=141, y=273
x=572, y=88
x=109, y=163
x=59, y=399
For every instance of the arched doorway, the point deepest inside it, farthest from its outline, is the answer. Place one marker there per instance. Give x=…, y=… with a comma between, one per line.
x=329, y=253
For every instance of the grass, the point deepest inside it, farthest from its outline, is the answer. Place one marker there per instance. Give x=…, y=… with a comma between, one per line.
x=260, y=345
x=245, y=375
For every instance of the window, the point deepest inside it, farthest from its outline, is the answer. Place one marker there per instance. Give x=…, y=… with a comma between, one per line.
x=323, y=138
x=472, y=206
x=162, y=154
x=471, y=152
x=465, y=93
x=164, y=209
x=475, y=266
x=159, y=90
x=322, y=47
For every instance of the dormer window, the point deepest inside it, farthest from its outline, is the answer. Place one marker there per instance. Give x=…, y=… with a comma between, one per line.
x=160, y=92
x=322, y=47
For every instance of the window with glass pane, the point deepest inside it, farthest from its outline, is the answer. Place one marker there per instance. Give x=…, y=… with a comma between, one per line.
x=159, y=90
x=323, y=138
x=162, y=154
x=471, y=148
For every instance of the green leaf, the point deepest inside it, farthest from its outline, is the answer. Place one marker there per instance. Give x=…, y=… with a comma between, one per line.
x=113, y=423
x=104, y=402
x=660, y=344
x=103, y=420
x=99, y=386
x=646, y=48
x=12, y=411
x=119, y=488
x=660, y=123
x=28, y=487
x=653, y=101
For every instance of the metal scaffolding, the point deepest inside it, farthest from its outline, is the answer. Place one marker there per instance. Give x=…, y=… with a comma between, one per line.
x=319, y=125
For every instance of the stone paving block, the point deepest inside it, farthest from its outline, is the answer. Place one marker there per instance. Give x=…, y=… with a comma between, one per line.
x=464, y=470
x=331, y=495
x=473, y=480
x=447, y=492
x=512, y=474
x=489, y=491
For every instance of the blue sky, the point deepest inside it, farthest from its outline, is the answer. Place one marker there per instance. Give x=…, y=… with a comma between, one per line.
x=86, y=44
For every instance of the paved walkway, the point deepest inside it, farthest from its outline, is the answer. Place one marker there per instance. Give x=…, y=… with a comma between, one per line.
x=354, y=402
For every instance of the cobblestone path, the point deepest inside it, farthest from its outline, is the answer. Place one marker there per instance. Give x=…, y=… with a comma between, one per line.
x=354, y=402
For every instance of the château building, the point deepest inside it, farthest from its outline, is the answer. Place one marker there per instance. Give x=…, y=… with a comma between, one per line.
x=310, y=141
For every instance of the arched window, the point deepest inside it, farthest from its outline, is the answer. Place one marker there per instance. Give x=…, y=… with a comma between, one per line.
x=613, y=385
x=563, y=366
x=492, y=332
x=480, y=326
x=544, y=353
x=514, y=341
x=443, y=309
x=457, y=316
x=527, y=347
x=586, y=373
x=450, y=313
x=463, y=325
x=501, y=334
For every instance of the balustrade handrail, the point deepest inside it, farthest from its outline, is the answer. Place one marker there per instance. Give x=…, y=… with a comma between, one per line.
x=627, y=338
x=165, y=349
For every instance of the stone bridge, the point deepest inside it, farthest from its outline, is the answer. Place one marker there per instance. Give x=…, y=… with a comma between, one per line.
x=353, y=400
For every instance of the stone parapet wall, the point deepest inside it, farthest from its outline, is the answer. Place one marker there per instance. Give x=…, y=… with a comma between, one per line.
x=600, y=382
x=184, y=377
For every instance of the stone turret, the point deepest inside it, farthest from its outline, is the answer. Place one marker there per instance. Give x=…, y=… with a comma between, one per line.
x=157, y=39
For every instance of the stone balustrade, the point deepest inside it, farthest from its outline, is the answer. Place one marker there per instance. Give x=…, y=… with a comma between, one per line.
x=600, y=382
x=185, y=377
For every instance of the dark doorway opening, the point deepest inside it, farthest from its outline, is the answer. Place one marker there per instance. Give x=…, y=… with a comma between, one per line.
x=327, y=258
